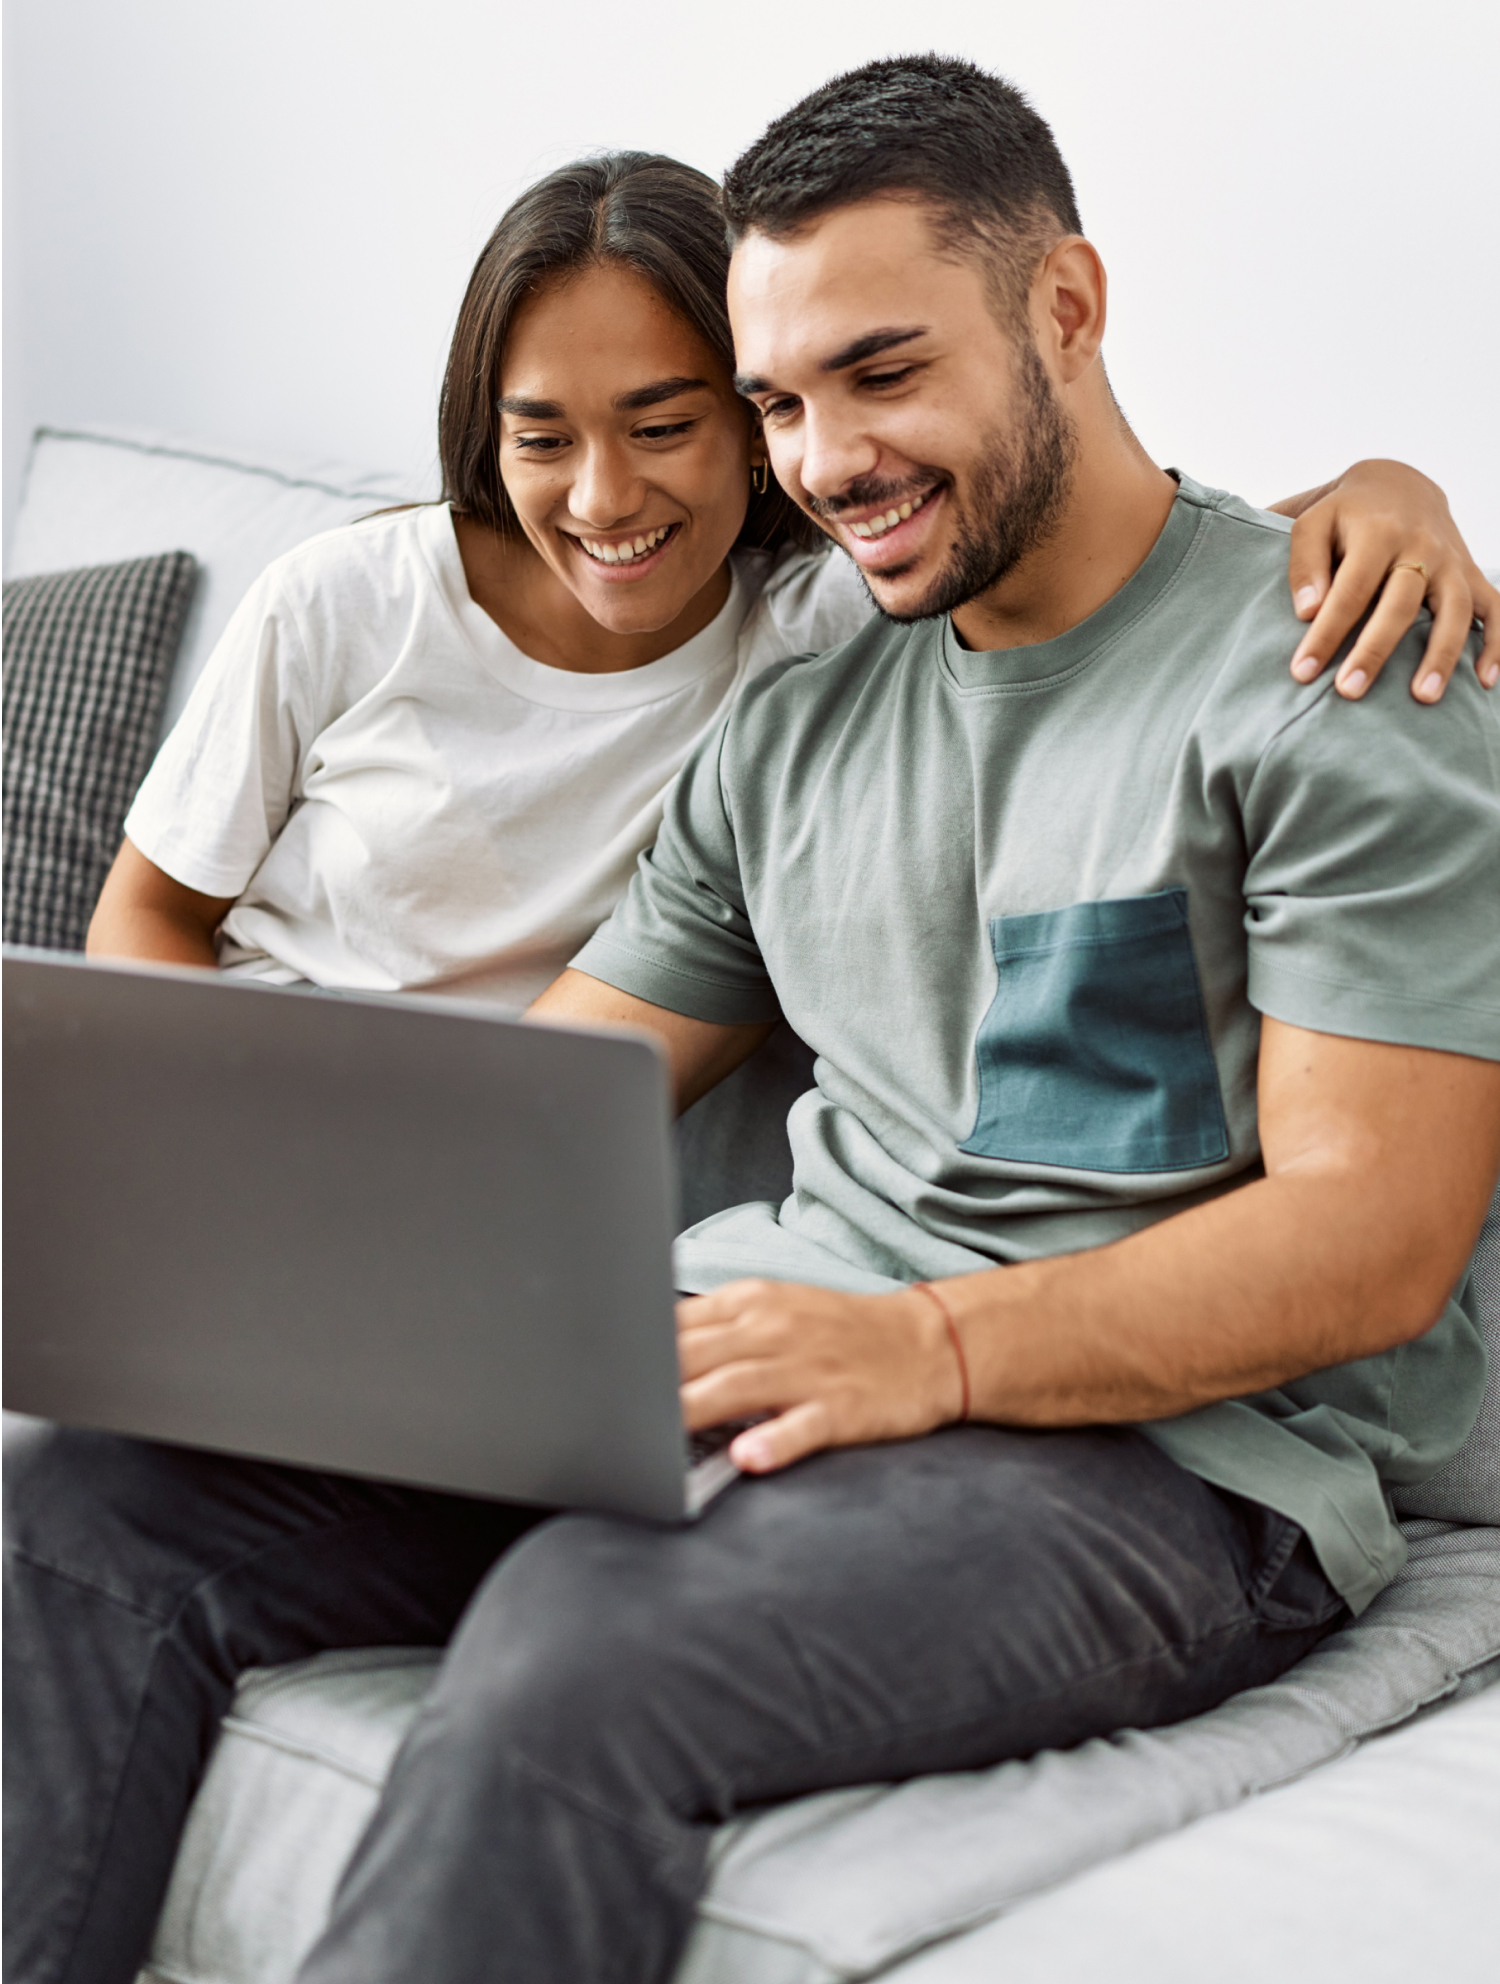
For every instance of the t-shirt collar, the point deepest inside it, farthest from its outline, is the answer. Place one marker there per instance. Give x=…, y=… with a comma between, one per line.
x=713, y=648
x=1045, y=663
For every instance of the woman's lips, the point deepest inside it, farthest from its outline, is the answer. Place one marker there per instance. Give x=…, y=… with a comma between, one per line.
x=656, y=543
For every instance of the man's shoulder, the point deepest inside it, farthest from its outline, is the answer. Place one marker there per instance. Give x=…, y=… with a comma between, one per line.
x=1229, y=616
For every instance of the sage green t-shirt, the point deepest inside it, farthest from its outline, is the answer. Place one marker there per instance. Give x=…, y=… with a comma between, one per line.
x=1027, y=908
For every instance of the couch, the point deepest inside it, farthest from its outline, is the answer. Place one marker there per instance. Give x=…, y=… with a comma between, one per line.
x=1342, y=1822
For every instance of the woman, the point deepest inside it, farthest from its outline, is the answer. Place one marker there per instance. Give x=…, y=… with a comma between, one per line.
x=430, y=746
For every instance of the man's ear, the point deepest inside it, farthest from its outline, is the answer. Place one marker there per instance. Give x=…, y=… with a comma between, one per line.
x=1069, y=303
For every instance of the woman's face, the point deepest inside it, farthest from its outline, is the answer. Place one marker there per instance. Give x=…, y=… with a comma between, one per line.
x=624, y=447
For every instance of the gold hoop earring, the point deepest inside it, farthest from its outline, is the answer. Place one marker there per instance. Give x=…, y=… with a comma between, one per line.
x=759, y=477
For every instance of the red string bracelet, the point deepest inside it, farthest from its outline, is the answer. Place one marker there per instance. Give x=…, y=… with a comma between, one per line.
x=954, y=1338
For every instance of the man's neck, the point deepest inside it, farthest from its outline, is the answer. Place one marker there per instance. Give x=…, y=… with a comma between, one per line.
x=1118, y=502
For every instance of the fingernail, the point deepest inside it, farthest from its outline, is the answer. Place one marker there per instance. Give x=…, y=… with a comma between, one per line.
x=1489, y=675
x=1354, y=683
x=1305, y=598
x=749, y=1453
x=1430, y=687
x=1305, y=667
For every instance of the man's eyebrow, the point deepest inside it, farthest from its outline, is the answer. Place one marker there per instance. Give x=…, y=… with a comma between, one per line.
x=869, y=346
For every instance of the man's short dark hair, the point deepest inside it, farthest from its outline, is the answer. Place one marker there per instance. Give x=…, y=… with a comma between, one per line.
x=932, y=128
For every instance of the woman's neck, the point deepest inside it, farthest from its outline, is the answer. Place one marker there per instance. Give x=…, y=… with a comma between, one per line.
x=532, y=607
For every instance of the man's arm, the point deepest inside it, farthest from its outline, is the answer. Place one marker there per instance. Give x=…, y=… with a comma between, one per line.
x=702, y=1052
x=1379, y=1163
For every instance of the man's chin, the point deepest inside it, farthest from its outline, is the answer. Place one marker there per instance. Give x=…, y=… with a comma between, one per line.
x=903, y=594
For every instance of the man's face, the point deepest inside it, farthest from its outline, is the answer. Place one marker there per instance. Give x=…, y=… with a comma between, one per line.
x=925, y=437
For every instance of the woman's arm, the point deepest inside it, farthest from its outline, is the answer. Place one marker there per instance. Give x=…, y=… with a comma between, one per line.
x=1378, y=524
x=143, y=913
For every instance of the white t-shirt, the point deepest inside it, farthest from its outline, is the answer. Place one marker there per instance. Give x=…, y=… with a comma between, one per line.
x=400, y=799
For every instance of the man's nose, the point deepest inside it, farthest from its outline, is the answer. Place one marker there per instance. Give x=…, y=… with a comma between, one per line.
x=834, y=452
x=607, y=488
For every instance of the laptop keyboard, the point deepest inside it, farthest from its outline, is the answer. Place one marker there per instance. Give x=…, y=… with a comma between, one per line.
x=714, y=1439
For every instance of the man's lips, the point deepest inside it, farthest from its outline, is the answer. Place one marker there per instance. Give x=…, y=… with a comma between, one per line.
x=615, y=558
x=874, y=541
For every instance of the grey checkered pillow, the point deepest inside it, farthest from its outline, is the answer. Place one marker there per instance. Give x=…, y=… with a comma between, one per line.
x=1467, y=1488
x=87, y=658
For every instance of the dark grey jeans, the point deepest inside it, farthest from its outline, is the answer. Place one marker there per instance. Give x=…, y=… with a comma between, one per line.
x=612, y=1690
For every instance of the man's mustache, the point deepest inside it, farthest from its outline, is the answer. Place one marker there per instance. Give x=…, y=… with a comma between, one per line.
x=871, y=489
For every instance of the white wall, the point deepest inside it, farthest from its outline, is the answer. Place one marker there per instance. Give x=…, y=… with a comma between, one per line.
x=251, y=220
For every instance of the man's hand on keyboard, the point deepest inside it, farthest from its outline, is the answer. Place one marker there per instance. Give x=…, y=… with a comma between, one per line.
x=829, y=1369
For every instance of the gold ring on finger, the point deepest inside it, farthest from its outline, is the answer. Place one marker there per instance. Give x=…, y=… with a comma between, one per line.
x=1410, y=565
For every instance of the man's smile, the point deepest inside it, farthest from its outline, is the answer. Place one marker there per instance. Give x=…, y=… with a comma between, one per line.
x=875, y=534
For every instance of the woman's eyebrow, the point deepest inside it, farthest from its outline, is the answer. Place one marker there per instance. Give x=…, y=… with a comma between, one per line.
x=525, y=409
x=653, y=395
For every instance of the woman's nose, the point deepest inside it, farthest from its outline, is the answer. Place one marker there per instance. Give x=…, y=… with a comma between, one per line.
x=606, y=488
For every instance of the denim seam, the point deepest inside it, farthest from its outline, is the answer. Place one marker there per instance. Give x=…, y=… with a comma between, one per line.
x=592, y=1808
x=1184, y=1649
x=20, y=1555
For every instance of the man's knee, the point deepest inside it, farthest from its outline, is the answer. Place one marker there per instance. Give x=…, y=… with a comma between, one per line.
x=581, y=1642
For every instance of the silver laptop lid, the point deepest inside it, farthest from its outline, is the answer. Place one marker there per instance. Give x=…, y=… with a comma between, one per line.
x=396, y=1238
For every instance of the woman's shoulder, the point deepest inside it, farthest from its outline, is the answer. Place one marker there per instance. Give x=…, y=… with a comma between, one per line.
x=331, y=616
x=809, y=601
x=364, y=553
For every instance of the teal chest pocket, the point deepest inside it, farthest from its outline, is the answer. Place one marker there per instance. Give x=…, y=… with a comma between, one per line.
x=1095, y=1053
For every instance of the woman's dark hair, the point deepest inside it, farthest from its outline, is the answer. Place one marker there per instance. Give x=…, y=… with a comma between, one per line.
x=637, y=211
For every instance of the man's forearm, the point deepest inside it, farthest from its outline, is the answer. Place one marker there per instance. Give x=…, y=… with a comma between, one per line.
x=701, y=1052
x=1282, y=1277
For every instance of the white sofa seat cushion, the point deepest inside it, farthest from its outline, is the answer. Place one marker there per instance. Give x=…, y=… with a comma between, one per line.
x=835, y=1887
x=1380, y=1867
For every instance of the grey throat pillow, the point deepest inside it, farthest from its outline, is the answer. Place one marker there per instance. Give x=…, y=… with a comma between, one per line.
x=88, y=656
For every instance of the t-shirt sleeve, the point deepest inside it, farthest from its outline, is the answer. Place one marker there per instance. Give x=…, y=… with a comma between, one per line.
x=226, y=778
x=1373, y=885
x=816, y=600
x=681, y=936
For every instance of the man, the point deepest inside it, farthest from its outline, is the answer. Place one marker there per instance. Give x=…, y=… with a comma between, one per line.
x=1156, y=1056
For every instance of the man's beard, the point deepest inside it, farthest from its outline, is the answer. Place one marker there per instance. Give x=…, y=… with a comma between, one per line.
x=1019, y=491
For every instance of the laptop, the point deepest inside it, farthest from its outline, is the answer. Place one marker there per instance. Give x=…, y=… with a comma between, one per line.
x=394, y=1237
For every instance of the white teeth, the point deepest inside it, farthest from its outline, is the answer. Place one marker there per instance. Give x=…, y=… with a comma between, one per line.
x=628, y=552
x=878, y=526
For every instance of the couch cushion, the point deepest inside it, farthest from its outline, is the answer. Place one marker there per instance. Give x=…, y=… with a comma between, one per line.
x=103, y=494
x=833, y=1887
x=1379, y=1868
x=87, y=656
x=1467, y=1488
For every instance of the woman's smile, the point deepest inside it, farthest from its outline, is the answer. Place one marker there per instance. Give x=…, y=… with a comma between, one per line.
x=631, y=556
